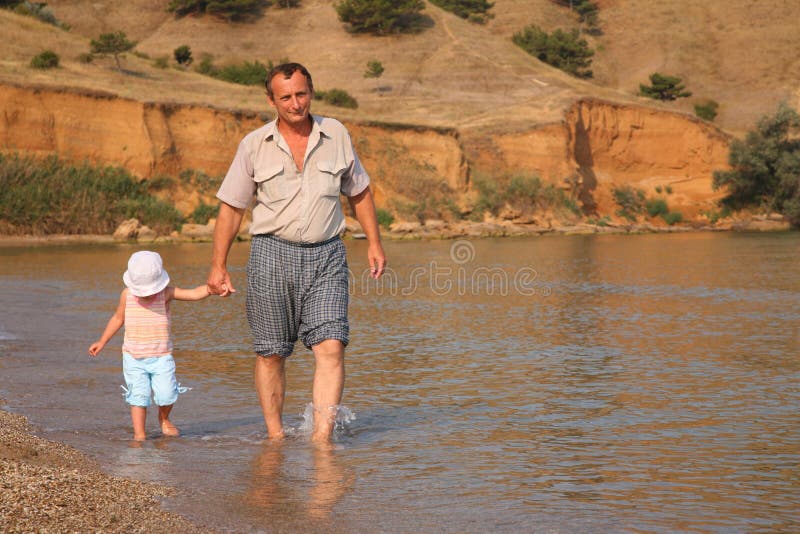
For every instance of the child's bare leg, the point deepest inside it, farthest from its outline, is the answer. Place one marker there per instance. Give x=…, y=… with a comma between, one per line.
x=167, y=428
x=138, y=416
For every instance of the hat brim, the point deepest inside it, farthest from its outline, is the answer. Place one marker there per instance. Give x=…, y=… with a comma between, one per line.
x=146, y=290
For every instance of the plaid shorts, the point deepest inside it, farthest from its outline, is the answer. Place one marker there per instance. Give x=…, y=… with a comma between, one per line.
x=296, y=290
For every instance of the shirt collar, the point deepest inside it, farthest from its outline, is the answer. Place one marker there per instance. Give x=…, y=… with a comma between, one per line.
x=317, y=125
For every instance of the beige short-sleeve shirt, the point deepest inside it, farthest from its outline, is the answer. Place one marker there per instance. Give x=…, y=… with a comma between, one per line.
x=300, y=206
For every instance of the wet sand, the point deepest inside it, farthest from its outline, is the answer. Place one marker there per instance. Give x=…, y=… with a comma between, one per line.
x=50, y=487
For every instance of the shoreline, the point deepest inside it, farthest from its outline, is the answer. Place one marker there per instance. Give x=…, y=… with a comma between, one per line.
x=432, y=229
x=48, y=486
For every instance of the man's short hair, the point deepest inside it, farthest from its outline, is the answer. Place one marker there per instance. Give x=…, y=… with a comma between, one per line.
x=287, y=69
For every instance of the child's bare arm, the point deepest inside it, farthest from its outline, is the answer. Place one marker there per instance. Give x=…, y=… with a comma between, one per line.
x=113, y=326
x=196, y=293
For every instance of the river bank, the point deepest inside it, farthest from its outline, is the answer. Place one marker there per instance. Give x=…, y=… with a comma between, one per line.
x=131, y=231
x=50, y=487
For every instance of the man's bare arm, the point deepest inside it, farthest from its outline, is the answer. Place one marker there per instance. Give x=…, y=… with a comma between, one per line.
x=228, y=221
x=364, y=208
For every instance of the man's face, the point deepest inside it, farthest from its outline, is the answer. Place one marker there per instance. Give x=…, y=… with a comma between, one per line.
x=291, y=98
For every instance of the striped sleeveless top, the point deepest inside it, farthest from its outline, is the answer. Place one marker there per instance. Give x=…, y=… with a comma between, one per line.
x=147, y=326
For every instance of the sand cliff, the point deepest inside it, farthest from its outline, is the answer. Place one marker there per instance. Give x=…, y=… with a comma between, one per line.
x=597, y=145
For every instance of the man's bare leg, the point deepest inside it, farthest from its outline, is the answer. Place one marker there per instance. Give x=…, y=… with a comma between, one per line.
x=270, y=378
x=167, y=428
x=328, y=386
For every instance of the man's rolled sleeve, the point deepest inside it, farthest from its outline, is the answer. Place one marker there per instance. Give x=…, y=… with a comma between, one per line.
x=238, y=187
x=356, y=179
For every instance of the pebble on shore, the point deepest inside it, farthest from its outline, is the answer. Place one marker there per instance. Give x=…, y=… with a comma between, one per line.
x=46, y=486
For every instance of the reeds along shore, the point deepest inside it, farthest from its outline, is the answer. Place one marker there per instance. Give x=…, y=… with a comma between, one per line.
x=50, y=487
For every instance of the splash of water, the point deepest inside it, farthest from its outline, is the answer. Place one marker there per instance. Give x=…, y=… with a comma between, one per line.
x=344, y=416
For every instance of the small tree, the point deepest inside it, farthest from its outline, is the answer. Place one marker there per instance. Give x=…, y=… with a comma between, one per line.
x=563, y=50
x=374, y=70
x=46, y=60
x=381, y=17
x=112, y=44
x=664, y=88
x=765, y=167
x=183, y=55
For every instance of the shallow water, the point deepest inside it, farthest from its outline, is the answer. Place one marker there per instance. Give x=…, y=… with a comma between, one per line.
x=558, y=384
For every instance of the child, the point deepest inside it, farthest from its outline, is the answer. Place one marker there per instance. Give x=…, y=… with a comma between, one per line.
x=147, y=362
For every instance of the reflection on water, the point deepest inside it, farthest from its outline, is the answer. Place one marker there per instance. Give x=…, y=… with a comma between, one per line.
x=573, y=383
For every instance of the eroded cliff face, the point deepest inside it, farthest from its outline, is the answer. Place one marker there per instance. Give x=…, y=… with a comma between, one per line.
x=601, y=145
x=646, y=148
x=604, y=144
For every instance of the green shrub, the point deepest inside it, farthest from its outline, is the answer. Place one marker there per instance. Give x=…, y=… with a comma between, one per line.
x=631, y=201
x=47, y=196
x=183, y=55
x=385, y=218
x=206, y=66
x=202, y=213
x=656, y=207
x=161, y=62
x=85, y=58
x=199, y=180
x=472, y=10
x=338, y=97
x=563, y=50
x=45, y=60
x=524, y=193
x=245, y=73
x=39, y=11
x=382, y=17
x=231, y=10
x=715, y=215
x=672, y=217
x=604, y=221
x=706, y=110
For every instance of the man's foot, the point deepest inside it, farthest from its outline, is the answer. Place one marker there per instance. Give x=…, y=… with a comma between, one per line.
x=168, y=429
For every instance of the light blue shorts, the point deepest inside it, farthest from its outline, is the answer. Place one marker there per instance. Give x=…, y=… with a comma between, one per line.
x=150, y=375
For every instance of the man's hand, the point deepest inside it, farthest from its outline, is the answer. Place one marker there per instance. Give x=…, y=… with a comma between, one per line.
x=219, y=282
x=364, y=208
x=228, y=221
x=376, y=259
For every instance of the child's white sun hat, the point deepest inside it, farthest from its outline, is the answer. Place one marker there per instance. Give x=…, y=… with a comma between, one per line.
x=145, y=275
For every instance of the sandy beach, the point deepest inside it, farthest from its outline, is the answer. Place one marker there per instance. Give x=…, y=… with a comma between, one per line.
x=50, y=487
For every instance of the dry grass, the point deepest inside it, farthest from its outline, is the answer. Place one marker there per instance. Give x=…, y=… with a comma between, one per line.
x=456, y=74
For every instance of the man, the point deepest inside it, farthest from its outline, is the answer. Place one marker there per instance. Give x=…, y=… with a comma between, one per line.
x=297, y=276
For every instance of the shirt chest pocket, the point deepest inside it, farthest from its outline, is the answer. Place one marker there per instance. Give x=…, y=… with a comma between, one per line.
x=271, y=183
x=330, y=177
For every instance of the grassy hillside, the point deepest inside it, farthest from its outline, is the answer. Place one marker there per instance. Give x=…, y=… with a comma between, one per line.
x=740, y=53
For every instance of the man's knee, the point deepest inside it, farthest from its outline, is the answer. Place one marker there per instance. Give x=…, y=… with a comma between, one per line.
x=329, y=353
x=271, y=361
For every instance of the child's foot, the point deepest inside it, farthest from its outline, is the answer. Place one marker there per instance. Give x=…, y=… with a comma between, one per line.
x=139, y=437
x=168, y=429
